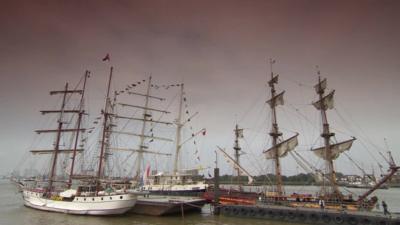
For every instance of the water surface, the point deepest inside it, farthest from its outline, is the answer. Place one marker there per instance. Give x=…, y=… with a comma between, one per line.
x=13, y=212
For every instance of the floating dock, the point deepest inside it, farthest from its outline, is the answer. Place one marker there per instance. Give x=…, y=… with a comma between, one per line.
x=308, y=215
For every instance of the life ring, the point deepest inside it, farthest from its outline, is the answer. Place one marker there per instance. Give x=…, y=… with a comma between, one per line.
x=314, y=217
x=243, y=211
x=382, y=222
x=301, y=216
x=326, y=218
x=352, y=220
x=261, y=212
x=235, y=211
x=365, y=221
x=281, y=214
x=339, y=219
x=291, y=215
x=226, y=210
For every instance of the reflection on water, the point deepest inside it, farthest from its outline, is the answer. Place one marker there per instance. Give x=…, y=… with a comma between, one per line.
x=12, y=212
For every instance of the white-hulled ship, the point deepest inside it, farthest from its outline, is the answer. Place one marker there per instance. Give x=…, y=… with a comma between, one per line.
x=178, y=182
x=143, y=128
x=91, y=196
x=71, y=202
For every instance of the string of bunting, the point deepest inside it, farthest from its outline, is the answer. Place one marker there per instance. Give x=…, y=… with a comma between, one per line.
x=196, y=153
x=131, y=86
x=165, y=86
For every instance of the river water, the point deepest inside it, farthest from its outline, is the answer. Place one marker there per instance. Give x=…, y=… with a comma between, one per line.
x=13, y=212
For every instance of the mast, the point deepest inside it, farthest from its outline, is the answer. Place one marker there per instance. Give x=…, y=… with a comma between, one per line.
x=147, y=117
x=275, y=134
x=142, y=147
x=237, y=148
x=105, y=122
x=179, y=126
x=81, y=112
x=279, y=148
x=56, y=148
x=326, y=134
x=109, y=131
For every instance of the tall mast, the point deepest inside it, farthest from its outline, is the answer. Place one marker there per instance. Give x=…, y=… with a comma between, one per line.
x=237, y=148
x=326, y=134
x=81, y=112
x=179, y=126
x=57, y=144
x=105, y=126
x=275, y=134
x=142, y=147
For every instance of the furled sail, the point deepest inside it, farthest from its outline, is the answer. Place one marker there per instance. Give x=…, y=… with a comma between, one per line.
x=336, y=149
x=326, y=102
x=239, y=133
x=277, y=100
x=283, y=148
x=320, y=86
x=236, y=166
x=274, y=80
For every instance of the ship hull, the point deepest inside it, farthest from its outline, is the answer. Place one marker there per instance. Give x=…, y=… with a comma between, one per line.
x=99, y=205
x=166, y=205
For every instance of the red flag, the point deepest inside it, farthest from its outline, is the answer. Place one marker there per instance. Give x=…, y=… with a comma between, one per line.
x=107, y=57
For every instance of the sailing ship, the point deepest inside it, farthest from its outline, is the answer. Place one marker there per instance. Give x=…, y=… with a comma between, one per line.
x=179, y=182
x=330, y=194
x=143, y=182
x=91, y=196
x=234, y=195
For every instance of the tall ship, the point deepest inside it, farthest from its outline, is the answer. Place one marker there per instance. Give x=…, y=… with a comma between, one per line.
x=140, y=133
x=78, y=193
x=330, y=197
x=179, y=181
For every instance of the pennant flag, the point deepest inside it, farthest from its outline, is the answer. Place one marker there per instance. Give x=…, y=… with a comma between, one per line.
x=106, y=58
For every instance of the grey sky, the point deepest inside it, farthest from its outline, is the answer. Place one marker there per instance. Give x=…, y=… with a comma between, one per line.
x=219, y=49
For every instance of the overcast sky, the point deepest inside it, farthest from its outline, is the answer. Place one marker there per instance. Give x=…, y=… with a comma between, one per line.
x=219, y=49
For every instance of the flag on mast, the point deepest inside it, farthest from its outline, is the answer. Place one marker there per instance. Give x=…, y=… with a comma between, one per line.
x=106, y=58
